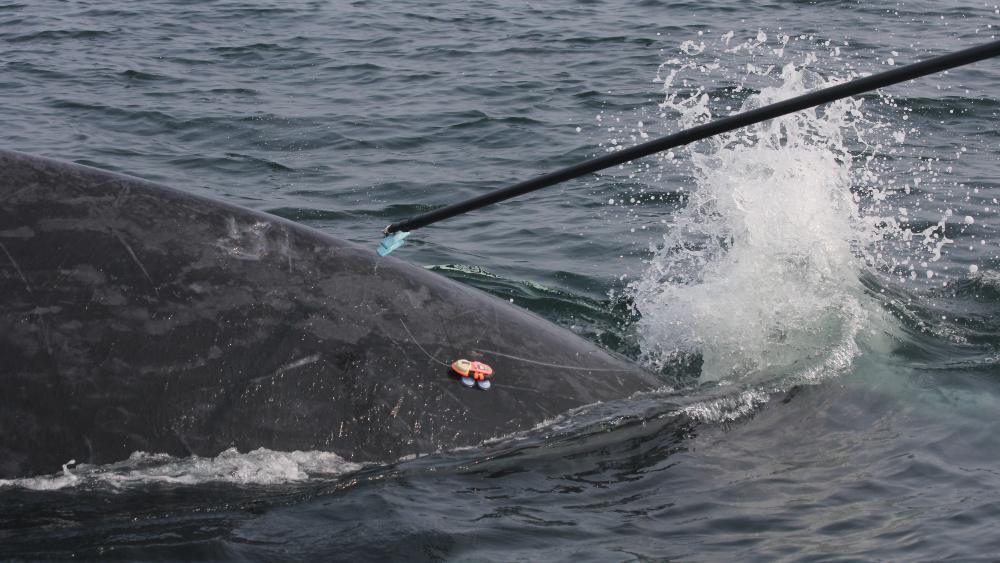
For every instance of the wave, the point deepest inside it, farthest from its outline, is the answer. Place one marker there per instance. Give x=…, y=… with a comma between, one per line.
x=258, y=467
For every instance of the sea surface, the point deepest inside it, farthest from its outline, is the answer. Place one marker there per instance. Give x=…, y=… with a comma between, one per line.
x=821, y=292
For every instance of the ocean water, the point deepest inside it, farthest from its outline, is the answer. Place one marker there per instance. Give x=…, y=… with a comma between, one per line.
x=821, y=291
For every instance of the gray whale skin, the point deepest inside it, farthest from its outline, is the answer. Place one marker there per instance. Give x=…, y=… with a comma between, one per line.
x=136, y=317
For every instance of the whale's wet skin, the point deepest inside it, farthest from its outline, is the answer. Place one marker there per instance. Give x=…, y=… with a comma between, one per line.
x=138, y=318
x=808, y=308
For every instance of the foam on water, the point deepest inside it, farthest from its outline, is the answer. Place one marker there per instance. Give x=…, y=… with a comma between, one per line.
x=258, y=467
x=759, y=272
x=728, y=408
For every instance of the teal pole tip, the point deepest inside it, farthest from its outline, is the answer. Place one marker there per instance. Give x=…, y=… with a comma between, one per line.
x=392, y=242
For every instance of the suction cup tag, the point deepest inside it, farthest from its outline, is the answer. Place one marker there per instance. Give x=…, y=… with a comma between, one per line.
x=473, y=373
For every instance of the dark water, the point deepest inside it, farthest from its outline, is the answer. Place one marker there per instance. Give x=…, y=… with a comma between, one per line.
x=839, y=406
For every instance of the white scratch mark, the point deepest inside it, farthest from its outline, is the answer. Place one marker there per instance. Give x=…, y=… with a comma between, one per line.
x=281, y=370
x=135, y=258
x=299, y=363
x=16, y=267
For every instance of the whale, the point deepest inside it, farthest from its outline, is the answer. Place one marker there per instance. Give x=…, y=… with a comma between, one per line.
x=136, y=317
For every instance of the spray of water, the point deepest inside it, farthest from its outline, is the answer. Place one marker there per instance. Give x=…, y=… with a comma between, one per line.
x=759, y=272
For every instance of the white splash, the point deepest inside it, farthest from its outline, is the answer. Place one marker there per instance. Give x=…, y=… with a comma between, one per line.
x=760, y=271
x=258, y=467
x=728, y=409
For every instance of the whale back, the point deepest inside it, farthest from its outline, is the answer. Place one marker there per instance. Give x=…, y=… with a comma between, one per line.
x=136, y=317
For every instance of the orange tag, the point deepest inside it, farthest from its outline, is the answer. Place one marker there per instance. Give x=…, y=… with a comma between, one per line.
x=477, y=370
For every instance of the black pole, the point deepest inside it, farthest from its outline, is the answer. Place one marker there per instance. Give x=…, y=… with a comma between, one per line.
x=805, y=101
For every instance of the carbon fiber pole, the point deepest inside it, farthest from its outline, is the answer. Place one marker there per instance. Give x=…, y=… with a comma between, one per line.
x=805, y=101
